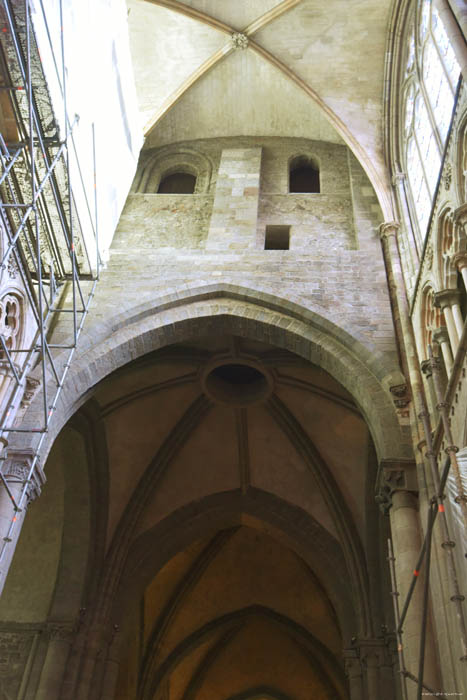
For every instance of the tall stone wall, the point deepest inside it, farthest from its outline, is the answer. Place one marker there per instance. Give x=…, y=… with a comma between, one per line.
x=334, y=265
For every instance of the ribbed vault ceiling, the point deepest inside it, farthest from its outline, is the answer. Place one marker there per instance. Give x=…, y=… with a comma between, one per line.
x=238, y=609
x=311, y=69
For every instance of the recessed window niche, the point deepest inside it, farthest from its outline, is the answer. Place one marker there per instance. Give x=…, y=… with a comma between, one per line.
x=277, y=238
x=177, y=183
x=304, y=175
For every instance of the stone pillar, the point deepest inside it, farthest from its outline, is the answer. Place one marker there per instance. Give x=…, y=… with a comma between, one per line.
x=15, y=471
x=58, y=650
x=353, y=670
x=235, y=209
x=446, y=300
x=440, y=336
x=397, y=495
x=368, y=666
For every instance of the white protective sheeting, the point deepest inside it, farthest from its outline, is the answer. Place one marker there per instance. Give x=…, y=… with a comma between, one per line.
x=100, y=89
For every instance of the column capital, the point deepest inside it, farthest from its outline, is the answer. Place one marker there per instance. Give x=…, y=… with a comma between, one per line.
x=388, y=228
x=394, y=475
x=16, y=468
x=440, y=335
x=401, y=395
x=459, y=259
x=397, y=178
x=376, y=651
x=447, y=297
x=425, y=366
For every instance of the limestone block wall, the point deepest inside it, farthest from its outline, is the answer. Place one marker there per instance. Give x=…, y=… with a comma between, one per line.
x=235, y=211
x=167, y=220
x=317, y=221
x=334, y=265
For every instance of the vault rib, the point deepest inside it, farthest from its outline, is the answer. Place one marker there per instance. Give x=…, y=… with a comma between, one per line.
x=187, y=583
x=380, y=186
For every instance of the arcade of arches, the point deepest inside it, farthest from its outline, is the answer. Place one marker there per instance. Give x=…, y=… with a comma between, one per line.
x=244, y=425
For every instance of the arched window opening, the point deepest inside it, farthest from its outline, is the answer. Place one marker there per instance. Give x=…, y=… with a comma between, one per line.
x=304, y=176
x=177, y=183
x=429, y=89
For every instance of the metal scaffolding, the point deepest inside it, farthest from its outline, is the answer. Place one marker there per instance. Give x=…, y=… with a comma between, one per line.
x=436, y=508
x=44, y=242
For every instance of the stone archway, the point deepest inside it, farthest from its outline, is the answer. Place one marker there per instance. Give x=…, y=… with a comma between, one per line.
x=246, y=313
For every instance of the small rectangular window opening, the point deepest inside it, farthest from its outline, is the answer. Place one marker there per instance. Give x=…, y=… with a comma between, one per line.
x=277, y=238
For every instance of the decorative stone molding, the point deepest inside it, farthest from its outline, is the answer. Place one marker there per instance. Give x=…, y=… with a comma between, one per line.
x=10, y=318
x=425, y=366
x=429, y=255
x=389, y=228
x=460, y=215
x=12, y=267
x=239, y=40
x=171, y=160
x=401, y=395
x=447, y=176
x=446, y=297
x=394, y=475
x=440, y=335
x=30, y=391
x=366, y=653
x=17, y=467
x=398, y=178
x=459, y=260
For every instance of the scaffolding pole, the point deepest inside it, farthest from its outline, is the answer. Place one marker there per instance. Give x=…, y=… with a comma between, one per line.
x=44, y=240
x=436, y=507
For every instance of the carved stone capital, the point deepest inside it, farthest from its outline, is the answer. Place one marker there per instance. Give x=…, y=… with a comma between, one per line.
x=16, y=469
x=394, y=475
x=398, y=178
x=388, y=228
x=440, y=335
x=30, y=391
x=447, y=297
x=401, y=395
x=239, y=40
x=425, y=366
x=447, y=176
x=6, y=369
x=459, y=260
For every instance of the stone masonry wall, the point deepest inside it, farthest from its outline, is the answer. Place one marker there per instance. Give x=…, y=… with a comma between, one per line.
x=167, y=220
x=334, y=265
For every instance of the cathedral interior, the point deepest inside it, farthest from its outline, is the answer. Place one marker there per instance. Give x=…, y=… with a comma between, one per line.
x=233, y=393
